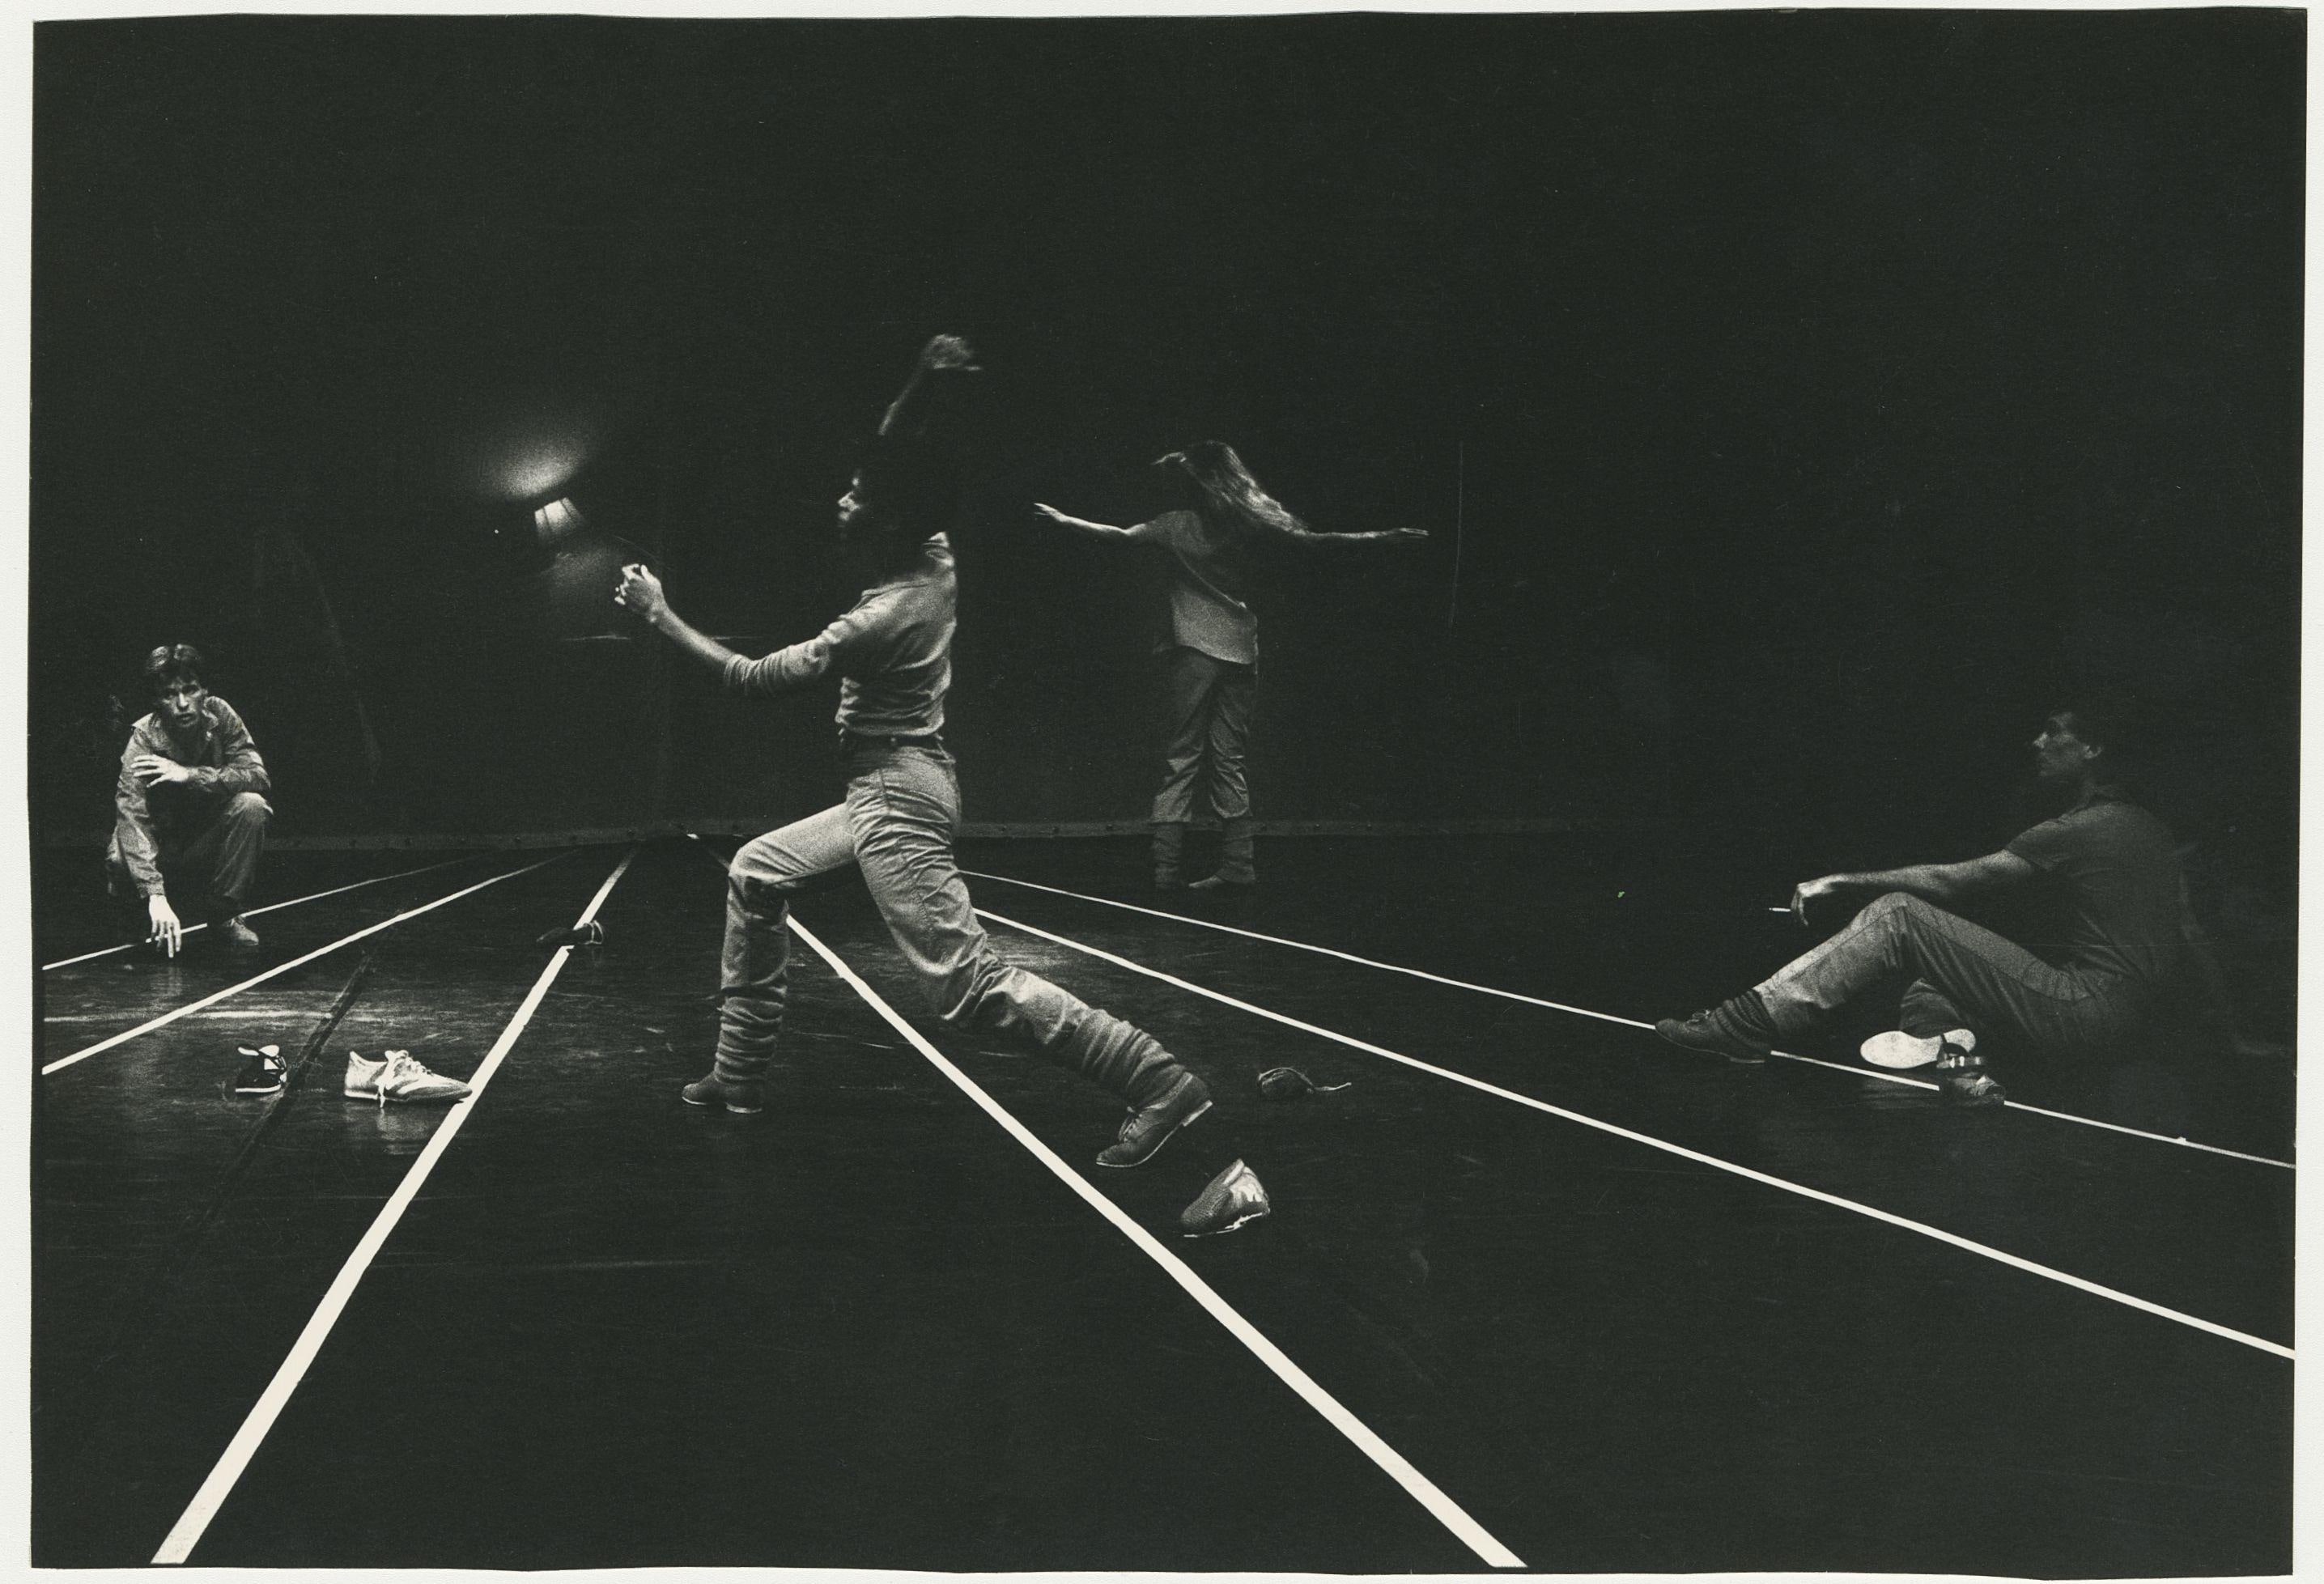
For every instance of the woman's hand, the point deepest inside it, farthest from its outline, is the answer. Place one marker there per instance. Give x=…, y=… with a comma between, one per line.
x=1404, y=536
x=641, y=591
x=1052, y=513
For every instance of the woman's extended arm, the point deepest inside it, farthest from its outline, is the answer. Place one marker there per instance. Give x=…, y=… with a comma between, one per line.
x=1379, y=536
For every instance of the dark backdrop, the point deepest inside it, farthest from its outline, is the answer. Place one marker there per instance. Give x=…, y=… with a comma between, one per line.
x=1804, y=399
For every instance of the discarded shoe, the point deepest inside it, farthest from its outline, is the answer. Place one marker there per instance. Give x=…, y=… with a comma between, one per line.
x=1961, y=1077
x=1710, y=1031
x=1149, y=1126
x=745, y=1097
x=1291, y=1083
x=1234, y=1198
x=396, y=1076
x=592, y=933
x=1899, y=1050
x=262, y=1073
x=1971, y=1089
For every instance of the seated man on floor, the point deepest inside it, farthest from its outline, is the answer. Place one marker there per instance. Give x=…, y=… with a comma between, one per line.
x=189, y=811
x=2115, y=876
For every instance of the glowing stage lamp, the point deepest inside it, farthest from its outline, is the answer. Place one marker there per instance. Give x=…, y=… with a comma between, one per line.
x=558, y=521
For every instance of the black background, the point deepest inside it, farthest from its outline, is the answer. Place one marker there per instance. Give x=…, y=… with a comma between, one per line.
x=1813, y=398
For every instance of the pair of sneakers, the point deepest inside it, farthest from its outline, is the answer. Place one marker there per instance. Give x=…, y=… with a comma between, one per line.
x=396, y=1075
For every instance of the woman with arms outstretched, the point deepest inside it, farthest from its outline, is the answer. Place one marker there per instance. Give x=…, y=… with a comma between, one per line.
x=1209, y=667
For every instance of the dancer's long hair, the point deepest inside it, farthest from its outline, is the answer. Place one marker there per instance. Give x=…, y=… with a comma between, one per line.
x=1214, y=480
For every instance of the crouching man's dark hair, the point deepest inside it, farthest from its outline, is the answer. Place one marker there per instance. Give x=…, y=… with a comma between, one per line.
x=173, y=664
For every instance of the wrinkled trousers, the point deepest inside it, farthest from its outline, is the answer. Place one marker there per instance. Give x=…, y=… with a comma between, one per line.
x=896, y=827
x=1206, y=714
x=1954, y=974
x=212, y=868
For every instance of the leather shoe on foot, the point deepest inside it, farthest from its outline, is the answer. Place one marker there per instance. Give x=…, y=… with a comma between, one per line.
x=1149, y=1126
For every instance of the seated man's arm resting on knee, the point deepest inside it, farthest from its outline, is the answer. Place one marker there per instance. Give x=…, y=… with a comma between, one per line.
x=1943, y=884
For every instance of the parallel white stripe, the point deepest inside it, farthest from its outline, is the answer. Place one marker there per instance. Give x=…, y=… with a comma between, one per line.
x=282, y=968
x=2003, y=1257
x=270, y=907
x=1509, y=995
x=191, y=1524
x=1391, y=1461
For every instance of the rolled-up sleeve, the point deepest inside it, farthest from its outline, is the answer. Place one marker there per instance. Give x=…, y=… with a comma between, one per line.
x=133, y=824
x=243, y=770
x=835, y=649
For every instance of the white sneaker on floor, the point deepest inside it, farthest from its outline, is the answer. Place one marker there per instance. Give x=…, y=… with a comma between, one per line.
x=1900, y=1051
x=397, y=1076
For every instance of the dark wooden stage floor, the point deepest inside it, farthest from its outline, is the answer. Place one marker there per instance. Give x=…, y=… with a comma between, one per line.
x=1538, y=1290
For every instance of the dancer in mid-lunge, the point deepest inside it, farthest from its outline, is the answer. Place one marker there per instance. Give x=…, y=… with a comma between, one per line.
x=893, y=654
x=1210, y=655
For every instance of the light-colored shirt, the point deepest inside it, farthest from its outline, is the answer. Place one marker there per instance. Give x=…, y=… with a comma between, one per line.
x=892, y=652
x=1210, y=586
x=224, y=761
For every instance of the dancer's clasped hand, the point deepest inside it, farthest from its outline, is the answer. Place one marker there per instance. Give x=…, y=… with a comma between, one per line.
x=640, y=592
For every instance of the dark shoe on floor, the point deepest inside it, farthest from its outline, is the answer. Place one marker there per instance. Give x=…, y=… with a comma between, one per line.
x=1712, y=1032
x=1961, y=1077
x=1291, y=1083
x=1234, y=1198
x=236, y=934
x=1149, y=1126
x=262, y=1073
x=1971, y=1089
x=745, y=1097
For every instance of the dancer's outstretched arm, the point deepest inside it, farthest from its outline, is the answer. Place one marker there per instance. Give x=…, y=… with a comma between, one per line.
x=640, y=592
x=917, y=407
x=1315, y=538
x=1100, y=530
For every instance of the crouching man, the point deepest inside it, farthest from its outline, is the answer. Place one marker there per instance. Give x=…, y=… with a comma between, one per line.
x=189, y=810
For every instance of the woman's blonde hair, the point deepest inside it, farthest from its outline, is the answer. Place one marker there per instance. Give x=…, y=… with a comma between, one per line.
x=1225, y=494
